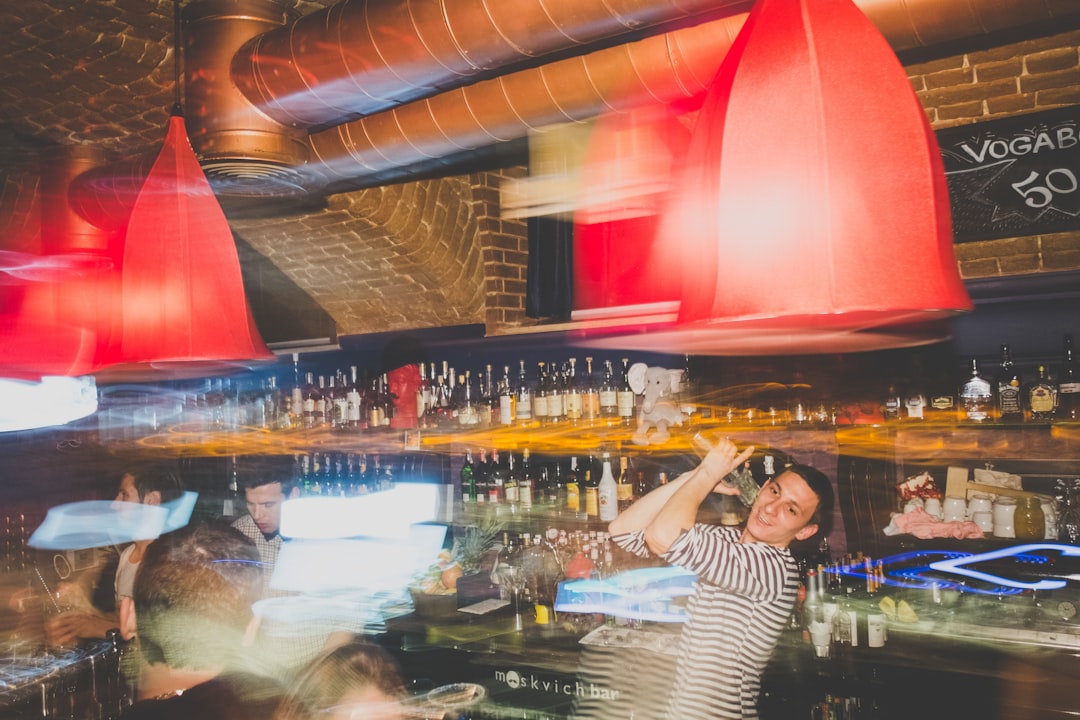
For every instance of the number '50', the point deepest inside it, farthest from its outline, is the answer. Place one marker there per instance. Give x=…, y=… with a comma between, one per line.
x=1059, y=180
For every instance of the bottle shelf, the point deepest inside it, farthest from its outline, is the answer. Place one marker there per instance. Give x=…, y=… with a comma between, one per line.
x=928, y=439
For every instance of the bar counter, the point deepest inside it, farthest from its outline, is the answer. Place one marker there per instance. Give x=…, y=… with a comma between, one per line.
x=937, y=667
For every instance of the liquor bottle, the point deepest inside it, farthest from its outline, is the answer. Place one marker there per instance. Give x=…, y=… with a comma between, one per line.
x=323, y=404
x=590, y=394
x=507, y=401
x=467, y=413
x=526, y=483
x=482, y=472
x=915, y=401
x=353, y=401
x=592, y=493
x=468, y=480
x=641, y=486
x=1007, y=389
x=328, y=385
x=891, y=408
x=624, y=485
x=608, y=494
x=1068, y=390
x=573, y=490
x=341, y=401
x=540, y=394
x=624, y=395
x=556, y=404
x=296, y=403
x=496, y=480
x=976, y=395
x=386, y=415
x=608, y=394
x=556, y=491
x=1041, y=396
x=511, y=484
x=524, y=397
x=574, y=400
x=232, y=496
x=311, y=399
x=489, y=415
x=277, y=406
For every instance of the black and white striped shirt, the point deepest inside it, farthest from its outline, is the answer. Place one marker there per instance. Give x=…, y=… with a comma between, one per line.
x=744, y=597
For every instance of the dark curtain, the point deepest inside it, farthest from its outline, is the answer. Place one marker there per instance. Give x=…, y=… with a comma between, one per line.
x=549, y=288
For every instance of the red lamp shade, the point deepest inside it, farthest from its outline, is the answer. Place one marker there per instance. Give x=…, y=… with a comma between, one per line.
x=183, y=308
x=58, y=298
x=812, y=214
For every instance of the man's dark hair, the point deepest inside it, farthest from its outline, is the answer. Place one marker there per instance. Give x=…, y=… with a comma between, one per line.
x=160, y=478
x=820, y=485
x=256, y=472
x=193, y=595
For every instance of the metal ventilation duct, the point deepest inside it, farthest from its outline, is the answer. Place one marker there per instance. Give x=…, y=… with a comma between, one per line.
x=385, y=85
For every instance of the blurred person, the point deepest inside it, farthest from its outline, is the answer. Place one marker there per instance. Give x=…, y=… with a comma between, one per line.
x=190, y=616
x=355, y=681
x=284, y=646
x=150, y=485
x=748, y=578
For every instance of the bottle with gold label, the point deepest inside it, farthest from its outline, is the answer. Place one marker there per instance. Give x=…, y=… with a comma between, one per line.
x=573, y=490
x=1042, y=396
x=624, y=487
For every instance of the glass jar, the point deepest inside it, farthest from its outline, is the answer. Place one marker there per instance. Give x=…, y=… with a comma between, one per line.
x=1029, y=521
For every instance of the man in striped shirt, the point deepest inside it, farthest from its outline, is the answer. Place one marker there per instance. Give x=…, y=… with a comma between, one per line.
x=747, y=576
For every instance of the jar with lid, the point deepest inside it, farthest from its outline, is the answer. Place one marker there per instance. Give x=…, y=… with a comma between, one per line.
x=1029, y=521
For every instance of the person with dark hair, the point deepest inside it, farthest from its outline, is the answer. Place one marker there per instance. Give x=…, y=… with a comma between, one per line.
x=285, y=643
x=147, y=485
x=747, y=576
x=266, y=486
x=355, y=680
x=190, y=614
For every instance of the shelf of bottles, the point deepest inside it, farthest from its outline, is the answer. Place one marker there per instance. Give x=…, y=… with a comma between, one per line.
x=562, y=405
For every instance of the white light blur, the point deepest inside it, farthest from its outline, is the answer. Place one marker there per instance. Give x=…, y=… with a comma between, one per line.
x=369, y=564
x=386, y=514
x=652, y=594
x=55, y=400
x=99, y=523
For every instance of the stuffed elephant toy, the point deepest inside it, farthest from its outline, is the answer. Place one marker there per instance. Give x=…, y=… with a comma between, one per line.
x=659, y=410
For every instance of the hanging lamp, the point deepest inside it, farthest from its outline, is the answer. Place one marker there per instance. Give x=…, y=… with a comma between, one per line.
x=812, y=214
x=183, y=308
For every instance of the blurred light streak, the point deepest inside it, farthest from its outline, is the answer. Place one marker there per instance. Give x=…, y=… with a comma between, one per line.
x=98, y=523
x=651, y=594
x=53, y=400
x=1023, y=554
x=298, y=615
x=381, y=515
x=369, y=564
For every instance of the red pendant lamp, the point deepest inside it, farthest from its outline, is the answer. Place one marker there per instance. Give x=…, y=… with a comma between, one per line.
x=812, y=214
x=183, y=309
x=56, y=294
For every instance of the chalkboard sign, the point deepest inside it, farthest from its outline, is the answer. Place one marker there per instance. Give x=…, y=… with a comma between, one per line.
x=1014, y=177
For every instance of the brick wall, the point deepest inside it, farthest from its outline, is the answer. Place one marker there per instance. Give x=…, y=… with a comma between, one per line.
x=1013, y=79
